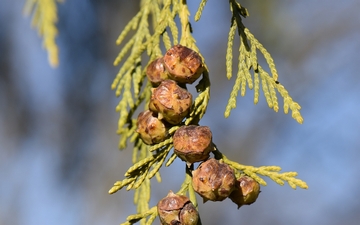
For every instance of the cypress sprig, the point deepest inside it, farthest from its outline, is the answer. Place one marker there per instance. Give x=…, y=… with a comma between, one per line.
x=151, y=213
x=171, y=159
x=146, y=168
x=250, y=72
x=45, y=19
x=156, y=147
x=132, y=71
x=147, y=161
x=200, y=9
x=166, y=40
x=229, y=54
x=269, y=171
x=129, y=80
x=142, y=199
x=131, y=86
x=201, y=102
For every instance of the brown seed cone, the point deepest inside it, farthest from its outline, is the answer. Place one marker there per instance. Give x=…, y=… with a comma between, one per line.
x=177, y=210
x=156, y=72
x=151, y=129
x=193, y=143
x=172, y=102
x=189, y=215
x=184, y=64
x=213, y=180
x=246, y=192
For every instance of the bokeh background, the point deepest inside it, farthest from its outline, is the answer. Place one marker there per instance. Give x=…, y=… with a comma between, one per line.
x=58, y=142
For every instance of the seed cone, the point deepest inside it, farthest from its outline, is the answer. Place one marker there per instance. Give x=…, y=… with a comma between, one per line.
x=193, y=143
x=156, y=72
x=184, y=64
x=246, y=192
x=213, y=180
x=172, y=102
x=151, y=129
x=177, y=210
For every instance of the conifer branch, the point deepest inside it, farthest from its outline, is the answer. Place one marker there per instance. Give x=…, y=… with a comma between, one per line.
x=138, y=172
x=45, y=19
x=171, y=160
x=200, y=9
x=151, y=213
x=201, y=102
x=129, y=80
x=129, y=85
x=270, y=171
x=248, y=63
x=229, y=54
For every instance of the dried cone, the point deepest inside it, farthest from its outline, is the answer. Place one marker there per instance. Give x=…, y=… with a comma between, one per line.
x=193, y=143
x=213, y=180
x=177, y=209
x=246, y=192
x=156, y=72
x=172, y=102
x=184, y=64
x=151, y=129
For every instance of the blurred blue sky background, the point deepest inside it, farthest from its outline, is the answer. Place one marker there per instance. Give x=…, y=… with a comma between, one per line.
x=58, y=142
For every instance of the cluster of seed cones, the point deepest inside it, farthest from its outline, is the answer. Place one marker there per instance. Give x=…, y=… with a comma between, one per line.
x=170, y=103
x=178, y=209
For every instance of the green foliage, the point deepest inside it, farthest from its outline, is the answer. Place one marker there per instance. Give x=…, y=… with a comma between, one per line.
x=149, y=159
x=269, y=171
x=248, y=62
x=129, y=84
x=44, y=19
x=150, y=31
x=129, y=80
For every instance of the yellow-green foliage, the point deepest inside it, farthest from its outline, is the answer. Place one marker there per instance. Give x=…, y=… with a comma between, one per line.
x=248, y=62
x=151, y=30
x=269, y=171
x=44, y=19
x=128, y=84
